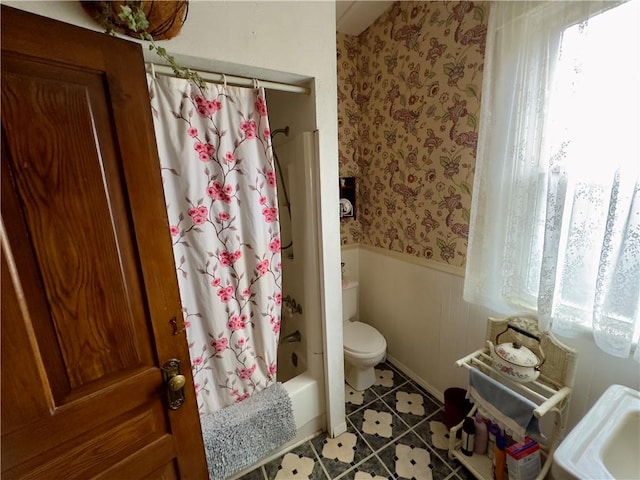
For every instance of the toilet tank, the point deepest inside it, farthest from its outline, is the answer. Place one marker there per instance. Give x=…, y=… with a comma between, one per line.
x=349, y=300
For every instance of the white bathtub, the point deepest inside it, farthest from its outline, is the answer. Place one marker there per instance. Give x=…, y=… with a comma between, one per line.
x=307, y=399
x=304, y=389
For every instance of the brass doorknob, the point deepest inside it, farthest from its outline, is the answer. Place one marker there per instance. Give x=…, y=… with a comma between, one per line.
x=176, y=382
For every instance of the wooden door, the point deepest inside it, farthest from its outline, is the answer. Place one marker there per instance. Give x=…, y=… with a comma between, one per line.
x=88, y=279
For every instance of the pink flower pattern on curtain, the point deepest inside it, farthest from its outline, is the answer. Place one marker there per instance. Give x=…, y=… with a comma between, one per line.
x=220, y=187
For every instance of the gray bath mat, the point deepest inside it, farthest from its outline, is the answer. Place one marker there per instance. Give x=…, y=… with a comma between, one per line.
x=241, y=434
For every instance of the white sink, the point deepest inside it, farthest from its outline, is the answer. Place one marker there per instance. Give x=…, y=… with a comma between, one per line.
x=606, y=442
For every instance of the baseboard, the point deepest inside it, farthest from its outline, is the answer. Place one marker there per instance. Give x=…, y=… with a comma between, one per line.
x=416, y=378
x=340, y=429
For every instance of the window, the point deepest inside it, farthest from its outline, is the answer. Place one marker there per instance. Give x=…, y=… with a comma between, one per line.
x=555, y=225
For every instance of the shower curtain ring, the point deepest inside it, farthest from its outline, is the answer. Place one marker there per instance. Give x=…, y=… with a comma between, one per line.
x=224, y=79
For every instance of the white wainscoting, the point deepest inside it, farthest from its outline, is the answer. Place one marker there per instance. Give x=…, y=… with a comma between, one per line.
x=420, y=312
x=428, y=326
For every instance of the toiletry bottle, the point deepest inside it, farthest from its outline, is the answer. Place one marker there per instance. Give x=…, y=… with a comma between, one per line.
x=482, y=436
x=468, y=435
x=499, y=459
x=493, y=432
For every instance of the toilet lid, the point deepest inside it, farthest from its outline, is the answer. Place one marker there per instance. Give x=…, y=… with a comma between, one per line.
x=359, y=337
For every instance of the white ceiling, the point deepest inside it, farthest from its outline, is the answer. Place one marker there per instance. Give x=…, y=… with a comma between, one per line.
x=354, y=16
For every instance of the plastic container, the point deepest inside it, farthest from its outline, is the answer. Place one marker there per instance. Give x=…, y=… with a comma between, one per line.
x=499, y=459
x=493, y=431
x=456, y=406
x=482, y=436
x=468, y=436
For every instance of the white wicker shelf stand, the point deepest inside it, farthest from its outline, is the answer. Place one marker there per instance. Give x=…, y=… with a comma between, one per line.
x=551, y=391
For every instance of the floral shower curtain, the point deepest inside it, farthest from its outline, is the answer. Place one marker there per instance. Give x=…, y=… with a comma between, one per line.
x=220, y=188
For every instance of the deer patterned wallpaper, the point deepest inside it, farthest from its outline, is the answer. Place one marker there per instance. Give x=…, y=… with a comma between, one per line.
x=408, y=104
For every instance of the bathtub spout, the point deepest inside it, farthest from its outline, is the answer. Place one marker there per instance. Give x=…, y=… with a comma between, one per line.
x=293, y=337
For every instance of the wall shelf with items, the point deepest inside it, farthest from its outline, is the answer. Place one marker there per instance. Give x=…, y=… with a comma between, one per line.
x=347, y=197
x=551, y=391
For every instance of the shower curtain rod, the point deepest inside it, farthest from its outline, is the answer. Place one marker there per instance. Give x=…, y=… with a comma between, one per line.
x=230, y=79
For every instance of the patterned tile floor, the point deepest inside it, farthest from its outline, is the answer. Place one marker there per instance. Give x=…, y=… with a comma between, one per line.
x=395, y=431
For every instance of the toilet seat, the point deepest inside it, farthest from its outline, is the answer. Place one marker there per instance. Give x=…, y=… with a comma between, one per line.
x=360, y=338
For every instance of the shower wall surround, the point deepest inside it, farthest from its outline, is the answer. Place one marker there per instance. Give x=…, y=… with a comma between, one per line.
x=408, y=105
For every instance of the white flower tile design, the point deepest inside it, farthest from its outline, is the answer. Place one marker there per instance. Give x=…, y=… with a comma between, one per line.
x=384, y=378
x=377, y=423
x=439, y=435
x=295, y=467
x=342, y=448
x=367, y=476
x=410, y=403
x=353, y=396
x=397, y=438
x=413, y=463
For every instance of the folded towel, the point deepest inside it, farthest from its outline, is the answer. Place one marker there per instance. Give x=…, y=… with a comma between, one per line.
x=241, y=434
x=509, y=409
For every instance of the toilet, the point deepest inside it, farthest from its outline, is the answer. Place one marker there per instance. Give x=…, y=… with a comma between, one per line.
x=364, y=346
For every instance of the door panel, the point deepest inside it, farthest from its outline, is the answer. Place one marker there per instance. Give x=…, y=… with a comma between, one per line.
x=72, y=204
x=88, y=277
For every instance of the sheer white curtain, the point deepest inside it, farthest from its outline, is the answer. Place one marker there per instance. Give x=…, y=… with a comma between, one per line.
x=555, y=221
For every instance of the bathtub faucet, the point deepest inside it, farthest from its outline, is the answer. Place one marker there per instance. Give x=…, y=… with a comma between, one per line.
x=292, y=337
x=291, y=306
